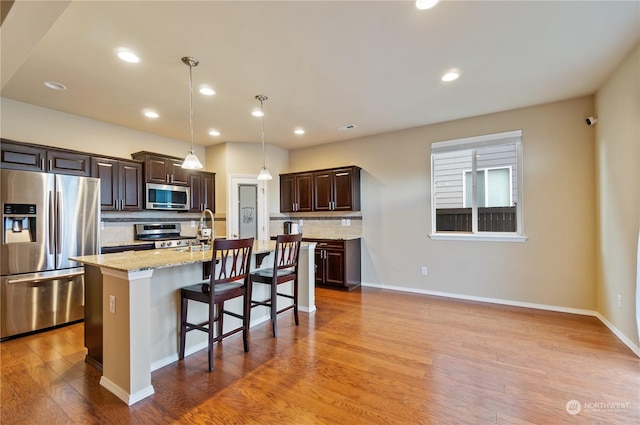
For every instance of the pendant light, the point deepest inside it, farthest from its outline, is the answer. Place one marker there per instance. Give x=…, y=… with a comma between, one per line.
x=191, y=161
x=264, y=173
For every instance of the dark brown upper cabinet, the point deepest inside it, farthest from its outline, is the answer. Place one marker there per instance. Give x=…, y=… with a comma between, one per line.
x=296, y=192
x=29, y=157
x=162, y=169
x=203, y=191
x=121, y=183
x=337, y=189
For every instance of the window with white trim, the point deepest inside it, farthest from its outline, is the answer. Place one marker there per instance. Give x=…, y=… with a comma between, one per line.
x=495, y=188
x=476, y=186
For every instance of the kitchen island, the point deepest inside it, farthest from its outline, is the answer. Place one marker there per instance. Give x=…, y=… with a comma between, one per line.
x=141, y=309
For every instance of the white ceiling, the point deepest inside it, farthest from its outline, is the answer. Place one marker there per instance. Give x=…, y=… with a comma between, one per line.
x=323, y=64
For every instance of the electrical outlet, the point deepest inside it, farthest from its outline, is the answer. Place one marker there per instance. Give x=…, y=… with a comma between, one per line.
x=424, y=270
x=193, y=223
x=112, y=303
x=619, y=301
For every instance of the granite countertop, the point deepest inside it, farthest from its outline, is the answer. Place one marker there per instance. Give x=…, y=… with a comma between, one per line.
x=128, y=243
x=330, y=237
x=310, y=236
x=159, y=258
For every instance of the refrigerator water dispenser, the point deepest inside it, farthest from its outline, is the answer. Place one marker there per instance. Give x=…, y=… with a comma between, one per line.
x=19, y=223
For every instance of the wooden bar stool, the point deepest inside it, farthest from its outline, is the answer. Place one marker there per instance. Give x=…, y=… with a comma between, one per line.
x=230, y=268
x=285, y=269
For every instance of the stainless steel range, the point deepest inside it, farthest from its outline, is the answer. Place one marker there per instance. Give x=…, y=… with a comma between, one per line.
x=164, y=235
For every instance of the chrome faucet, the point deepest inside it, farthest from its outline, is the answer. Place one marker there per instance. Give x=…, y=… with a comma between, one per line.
x=202, y=226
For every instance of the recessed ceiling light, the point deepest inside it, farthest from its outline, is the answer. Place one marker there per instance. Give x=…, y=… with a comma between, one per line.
x=426, y=4
x=214, y=133
x=207, y=91
x=451, y=75
x=128, y=56
x=257, y=113
x=151, y=114
x=55, y=86
x=299, y=131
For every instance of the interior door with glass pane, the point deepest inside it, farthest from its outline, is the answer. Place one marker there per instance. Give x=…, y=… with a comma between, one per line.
x=248, y=208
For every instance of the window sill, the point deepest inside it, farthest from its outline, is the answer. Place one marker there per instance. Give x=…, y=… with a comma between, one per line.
x=490, y=237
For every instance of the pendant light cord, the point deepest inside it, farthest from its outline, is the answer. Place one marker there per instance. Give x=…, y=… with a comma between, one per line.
x=264, y=161
x=191, y=104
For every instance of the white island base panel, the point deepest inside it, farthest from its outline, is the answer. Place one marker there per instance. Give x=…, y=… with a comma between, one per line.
x=141, y=320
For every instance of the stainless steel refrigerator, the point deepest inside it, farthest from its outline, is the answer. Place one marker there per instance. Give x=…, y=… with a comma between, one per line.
x=46, y=218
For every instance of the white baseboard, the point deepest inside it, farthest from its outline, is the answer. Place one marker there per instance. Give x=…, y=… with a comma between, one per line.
x=612, y=328
x=201, y=346
x=123, y=394
x=617, y=333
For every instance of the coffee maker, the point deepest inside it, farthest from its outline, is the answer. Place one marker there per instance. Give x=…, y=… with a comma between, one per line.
x=287, y=227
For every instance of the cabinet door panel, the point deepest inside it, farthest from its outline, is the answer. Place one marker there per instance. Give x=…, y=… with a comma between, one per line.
x=17, y=157
x=177, y=174
x=323, y=194
x=320, y=266
x=156, y=169
x=343, y=190
x=335, y=267
x=209, y=191
x=195, y=204
x=69, y=163
x=287, y=190
x=107, y=171
x=131, y=186
x=304, y=191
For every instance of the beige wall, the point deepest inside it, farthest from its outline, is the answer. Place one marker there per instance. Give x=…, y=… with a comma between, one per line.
x=555, y=266
x=618, y=165
x=32, y=124
x=244, y=159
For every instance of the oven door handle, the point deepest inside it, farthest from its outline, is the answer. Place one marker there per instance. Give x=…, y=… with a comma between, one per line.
x=45, y=278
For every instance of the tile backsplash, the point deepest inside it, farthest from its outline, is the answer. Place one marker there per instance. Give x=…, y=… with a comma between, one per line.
x=344, y=224
x=118, y=228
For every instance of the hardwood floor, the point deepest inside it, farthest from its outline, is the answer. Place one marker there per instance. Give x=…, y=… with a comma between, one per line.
x=365, y=357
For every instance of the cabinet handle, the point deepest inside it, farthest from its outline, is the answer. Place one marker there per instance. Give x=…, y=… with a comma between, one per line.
x=51, y=164
x=42, y=164
x=121, y=204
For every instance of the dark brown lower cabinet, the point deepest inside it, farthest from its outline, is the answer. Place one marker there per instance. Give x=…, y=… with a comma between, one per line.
x=337, y=263
x=93, y=316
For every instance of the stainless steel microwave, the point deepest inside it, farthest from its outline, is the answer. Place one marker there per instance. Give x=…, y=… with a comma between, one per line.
x=167, y=197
